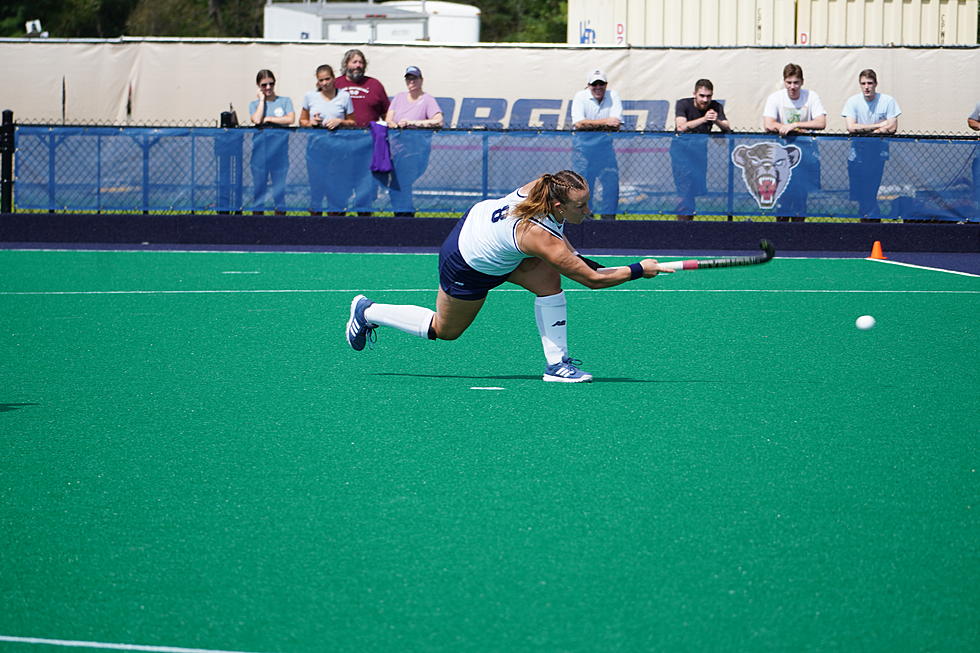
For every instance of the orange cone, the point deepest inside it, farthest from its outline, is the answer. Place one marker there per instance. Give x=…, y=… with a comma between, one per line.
x=876, y=251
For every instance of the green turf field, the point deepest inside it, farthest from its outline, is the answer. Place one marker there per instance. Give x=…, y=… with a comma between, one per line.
x=193, y=457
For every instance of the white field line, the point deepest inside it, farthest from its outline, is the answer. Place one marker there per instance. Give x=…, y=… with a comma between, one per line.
x=236, y=251
x=923, y=267
x=108, y=645
x=286, y=291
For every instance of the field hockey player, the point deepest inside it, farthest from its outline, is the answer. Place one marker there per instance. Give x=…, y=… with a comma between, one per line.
x=518, y=238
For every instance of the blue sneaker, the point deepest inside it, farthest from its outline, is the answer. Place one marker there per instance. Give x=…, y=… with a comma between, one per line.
x=566, y=372
x=359, y=330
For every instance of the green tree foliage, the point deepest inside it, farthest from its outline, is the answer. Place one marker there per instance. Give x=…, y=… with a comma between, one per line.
x=522, y=21
x=67, y=18
x=114, y=18
x=169, y=18
x=196, y=18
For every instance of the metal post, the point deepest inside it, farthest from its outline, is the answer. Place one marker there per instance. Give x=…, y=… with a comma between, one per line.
x=228, y=148
x=485, y=177
x=7, y=147
x=145, y=146
x=98, y=172
x=729, y=165
x=52, y=170
x=193, y=184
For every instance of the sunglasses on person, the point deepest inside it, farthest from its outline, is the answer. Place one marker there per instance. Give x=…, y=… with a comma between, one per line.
x=267, y=84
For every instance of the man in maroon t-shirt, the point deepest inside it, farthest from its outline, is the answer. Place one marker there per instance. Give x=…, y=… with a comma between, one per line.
x=370, y=103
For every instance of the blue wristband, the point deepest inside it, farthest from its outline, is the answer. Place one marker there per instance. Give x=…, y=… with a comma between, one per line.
x=636, y=271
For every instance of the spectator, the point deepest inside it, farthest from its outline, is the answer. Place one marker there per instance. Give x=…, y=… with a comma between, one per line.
x=595, y=111
x=370, y=104
x=270, y=147
x=689, y=156
x=414, y=112
x=326, y=155
x=868, y=112
x=791, y=111
x=973, y=121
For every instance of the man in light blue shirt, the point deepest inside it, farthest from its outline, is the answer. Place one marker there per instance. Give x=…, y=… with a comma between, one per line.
x=868, y=116
x=595, y=112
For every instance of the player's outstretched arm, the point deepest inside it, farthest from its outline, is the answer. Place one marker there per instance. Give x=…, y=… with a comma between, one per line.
x=559, y=254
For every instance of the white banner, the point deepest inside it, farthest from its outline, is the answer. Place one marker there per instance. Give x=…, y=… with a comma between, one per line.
x=140, y=82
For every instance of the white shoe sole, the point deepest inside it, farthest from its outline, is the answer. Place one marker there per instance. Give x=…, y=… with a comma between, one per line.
x=561, y=379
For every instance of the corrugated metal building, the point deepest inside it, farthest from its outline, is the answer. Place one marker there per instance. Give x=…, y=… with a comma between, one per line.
x=695, y=23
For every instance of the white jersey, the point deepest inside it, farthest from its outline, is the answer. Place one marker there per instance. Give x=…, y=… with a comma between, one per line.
x=488, y=238
x=786, y=110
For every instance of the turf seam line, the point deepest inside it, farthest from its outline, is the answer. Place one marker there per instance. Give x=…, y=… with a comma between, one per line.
x=108, y=645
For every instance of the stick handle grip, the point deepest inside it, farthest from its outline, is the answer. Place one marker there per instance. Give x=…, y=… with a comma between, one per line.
x=681, y=265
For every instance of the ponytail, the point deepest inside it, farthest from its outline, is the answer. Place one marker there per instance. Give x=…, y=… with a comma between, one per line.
x=547, y=190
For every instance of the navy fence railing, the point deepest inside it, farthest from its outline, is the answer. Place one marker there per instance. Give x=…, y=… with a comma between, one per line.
x=190, y=170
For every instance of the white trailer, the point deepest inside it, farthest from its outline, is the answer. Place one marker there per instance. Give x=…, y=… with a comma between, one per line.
x=369, y=22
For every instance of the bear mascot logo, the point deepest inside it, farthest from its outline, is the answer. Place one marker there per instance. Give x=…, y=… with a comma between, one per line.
x=766, y=169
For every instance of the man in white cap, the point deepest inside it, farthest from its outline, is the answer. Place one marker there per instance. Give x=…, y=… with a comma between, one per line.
x=597, y=110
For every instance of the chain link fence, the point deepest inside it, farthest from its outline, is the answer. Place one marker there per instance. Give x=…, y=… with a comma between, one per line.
x=634, y=175
x=82, y=122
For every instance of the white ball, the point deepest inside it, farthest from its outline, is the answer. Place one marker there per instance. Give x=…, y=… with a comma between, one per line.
x=865, y=322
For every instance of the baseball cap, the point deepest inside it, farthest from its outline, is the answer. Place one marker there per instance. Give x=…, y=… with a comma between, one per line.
x=596, y=76
x=413, y=70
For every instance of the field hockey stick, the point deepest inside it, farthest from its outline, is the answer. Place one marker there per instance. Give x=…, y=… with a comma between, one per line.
x=694, y=264
x=768, y=251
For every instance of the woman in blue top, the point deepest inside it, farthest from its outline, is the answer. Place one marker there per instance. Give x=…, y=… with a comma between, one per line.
x=270, y=149
x=326, y=153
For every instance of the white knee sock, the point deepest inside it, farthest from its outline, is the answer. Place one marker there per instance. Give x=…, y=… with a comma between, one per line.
x=551, y=315
x=404, y=317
